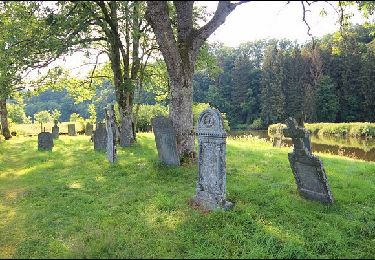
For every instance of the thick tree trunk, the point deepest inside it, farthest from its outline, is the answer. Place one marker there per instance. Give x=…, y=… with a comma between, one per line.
x=4, y=119
x=126, y=130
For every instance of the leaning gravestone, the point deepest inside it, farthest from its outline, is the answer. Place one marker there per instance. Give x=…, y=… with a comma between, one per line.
x=308, y=170
x=111, y=133
x=89, y=129
x=211, y=185
x=165, y=138
x=45, y=141
x=100, y=137
x=55, y=130
x=72, y=130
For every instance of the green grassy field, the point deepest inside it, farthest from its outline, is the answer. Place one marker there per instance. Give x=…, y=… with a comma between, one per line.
x=71, y=203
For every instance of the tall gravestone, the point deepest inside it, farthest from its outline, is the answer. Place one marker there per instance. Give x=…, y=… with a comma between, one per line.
x=45, y=141
x=100, y=137
x=307, y=169
x=126, y=132
x=72, y=130
x=55, y=130
x=111, y=134
x=166, y=142
x=211, y=185
x=89, y=129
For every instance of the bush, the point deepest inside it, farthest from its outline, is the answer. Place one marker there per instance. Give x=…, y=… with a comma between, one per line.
x=146, y=113
x=256, y=124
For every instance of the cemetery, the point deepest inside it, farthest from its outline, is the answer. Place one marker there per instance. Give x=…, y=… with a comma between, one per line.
x=177, y=147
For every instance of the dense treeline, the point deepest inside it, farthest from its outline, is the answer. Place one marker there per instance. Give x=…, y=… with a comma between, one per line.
x=265, y=81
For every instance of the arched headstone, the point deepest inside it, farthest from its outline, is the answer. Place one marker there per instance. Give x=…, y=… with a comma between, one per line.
x=111, y=134
x=166, y=142
x=211, y=185
x=307, y=169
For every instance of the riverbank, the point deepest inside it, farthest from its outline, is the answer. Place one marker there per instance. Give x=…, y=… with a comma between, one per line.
x=334, y=129
x=71, y=203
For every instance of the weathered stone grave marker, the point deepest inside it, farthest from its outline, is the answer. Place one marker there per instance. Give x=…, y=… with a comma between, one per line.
x=100, y=137
x=307, y=169
x=45, y=141
x=126, y=131
x=111, y=133
x=166, y=142
x=72, y=130
x=211, y=185
x=55, y=130
x=89, y=129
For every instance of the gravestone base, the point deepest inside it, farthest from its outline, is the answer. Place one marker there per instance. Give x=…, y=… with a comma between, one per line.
x=204, y=202
x=45, y=141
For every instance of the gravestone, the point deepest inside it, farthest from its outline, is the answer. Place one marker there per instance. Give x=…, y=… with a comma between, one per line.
x=55, y=130
x=126, y=132
x=72, y=130
x=211, y=185
x=307, y=169
x=100, y=137
x=166, y=142
x=111, y=133
x=45, y=141
x=89, y=129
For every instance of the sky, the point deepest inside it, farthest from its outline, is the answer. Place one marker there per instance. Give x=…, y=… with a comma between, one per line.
x=251, y=21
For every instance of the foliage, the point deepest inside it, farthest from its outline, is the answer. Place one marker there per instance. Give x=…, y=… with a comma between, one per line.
x=357, y=129
x=327, y=100
x=75, y=118
x=146, y=113
x=43, y=116
x=56, y=114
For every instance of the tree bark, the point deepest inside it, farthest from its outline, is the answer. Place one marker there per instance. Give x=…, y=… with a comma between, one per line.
x=4, y=119
x=179, y=53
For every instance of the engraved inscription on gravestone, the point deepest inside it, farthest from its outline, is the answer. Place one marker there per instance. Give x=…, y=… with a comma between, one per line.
x=100, y=137
x=308, y=169
x=211, y=185
x=72, y=130
x=166, y=142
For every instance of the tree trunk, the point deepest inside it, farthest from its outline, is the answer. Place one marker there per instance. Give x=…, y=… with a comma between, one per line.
x=4, y=119
x=126, y=132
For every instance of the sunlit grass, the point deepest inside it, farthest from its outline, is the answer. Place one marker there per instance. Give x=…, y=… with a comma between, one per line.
x=71, y=203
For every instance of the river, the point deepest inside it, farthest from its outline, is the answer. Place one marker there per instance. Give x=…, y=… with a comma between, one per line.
x=358, y=148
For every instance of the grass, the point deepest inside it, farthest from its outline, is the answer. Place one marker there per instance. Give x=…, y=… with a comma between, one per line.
x=71, y=203
x=354, y=129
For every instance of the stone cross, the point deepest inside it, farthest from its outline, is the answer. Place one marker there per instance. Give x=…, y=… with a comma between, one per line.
x=100, y=137
x=307, y=169
x=89, y=129
x=166, y=142
x=211, y=185
x=111, y=133
x=72, y=130
x=55, y=131
x=45, y=141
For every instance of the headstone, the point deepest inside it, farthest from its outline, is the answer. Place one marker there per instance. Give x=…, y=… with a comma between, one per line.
x=111, y=133
x=100, y=137
x=45, y=141
x=72, y=130
x=166, y=142
x=277, y=138
x=126, y=132
x=55, y=130
x=89, y=129
x=211, y=185
x=308, y=169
